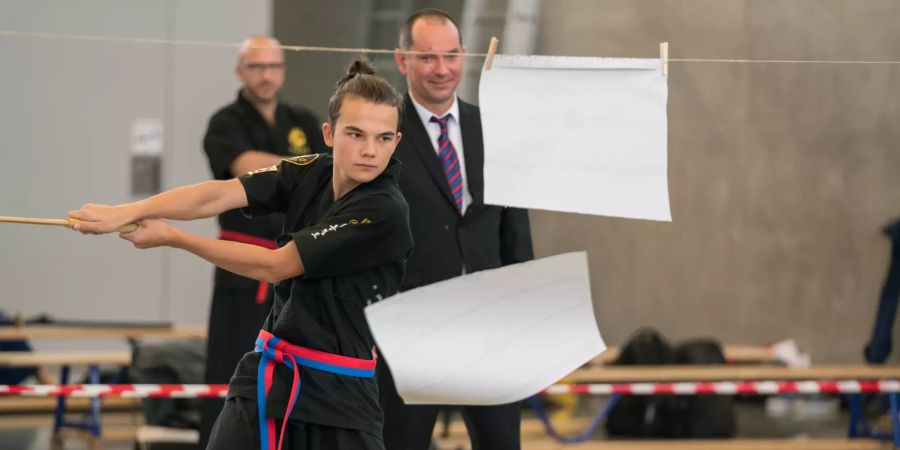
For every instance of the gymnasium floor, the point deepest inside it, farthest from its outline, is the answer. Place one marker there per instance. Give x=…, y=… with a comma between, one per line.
x=32, y=431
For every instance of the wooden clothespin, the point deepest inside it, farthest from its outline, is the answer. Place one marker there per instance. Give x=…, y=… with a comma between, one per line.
x=492, y=50
x=664, y=57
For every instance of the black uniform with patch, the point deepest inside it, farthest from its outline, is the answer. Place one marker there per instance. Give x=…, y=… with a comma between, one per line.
x=240, y=127
x=235, y=313
x=354, y=253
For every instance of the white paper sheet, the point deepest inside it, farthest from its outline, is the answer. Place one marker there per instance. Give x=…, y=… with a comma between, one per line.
x=584, y=135
x=491, y=337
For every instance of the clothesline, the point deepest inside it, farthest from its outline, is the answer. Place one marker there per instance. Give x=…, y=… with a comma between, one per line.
x=362, y=50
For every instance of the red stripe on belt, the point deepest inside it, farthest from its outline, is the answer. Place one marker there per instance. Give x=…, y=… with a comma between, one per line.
x=236, y=236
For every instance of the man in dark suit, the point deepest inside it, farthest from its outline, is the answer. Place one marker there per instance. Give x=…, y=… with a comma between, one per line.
x=442, y=151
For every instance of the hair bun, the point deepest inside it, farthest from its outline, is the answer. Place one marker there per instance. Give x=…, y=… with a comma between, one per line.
x=358, y=67
x=361, y=81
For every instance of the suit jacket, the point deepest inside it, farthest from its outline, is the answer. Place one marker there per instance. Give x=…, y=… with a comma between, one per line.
x=486, y=237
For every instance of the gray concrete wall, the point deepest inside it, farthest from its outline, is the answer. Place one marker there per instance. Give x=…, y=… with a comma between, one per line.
x=780, y=175
x=66, y=108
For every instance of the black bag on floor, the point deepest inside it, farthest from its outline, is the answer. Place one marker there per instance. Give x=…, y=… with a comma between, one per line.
x=656, y=416
x=669, y=416
x=170, y=362
x=705, y=416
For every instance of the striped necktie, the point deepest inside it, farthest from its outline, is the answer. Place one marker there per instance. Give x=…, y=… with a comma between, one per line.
x=449, y=162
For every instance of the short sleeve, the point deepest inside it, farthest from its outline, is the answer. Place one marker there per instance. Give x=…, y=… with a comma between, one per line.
x=366, y=233
x=271, y=189
x=225, y=140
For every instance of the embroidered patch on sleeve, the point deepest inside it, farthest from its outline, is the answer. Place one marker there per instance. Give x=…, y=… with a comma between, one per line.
x=263, y=170
x=335, y=227
x=303, y=160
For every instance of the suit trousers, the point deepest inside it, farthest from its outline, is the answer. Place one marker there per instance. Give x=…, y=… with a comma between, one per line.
x=410, y=427
x=879, y=346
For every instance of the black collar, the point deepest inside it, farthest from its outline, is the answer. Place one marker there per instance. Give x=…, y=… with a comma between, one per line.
x=250, y=109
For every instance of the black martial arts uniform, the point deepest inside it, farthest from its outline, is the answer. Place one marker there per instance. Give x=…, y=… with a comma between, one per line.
x=354, y=251
x=239, y=305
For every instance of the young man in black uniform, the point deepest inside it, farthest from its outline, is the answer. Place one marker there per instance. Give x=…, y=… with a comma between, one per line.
x=345, y=242
x=455, y=232
x=254, y=131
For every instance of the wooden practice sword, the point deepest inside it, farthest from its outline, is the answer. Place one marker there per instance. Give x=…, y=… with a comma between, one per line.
x=127, y=228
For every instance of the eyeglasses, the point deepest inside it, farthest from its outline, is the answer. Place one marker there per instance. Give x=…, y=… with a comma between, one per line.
x=262, y=67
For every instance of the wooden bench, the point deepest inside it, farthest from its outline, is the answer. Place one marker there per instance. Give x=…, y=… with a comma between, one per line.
x=119, y=434
x=39, y=404
x=667, y=374
x=149, y=436
x=9, y=405
x=121, y=428
x=63, y=359
x=534, y=437
x=635, y=374
x=734, y=354
x=93, y=360
x=46, y=332
x=529, y=428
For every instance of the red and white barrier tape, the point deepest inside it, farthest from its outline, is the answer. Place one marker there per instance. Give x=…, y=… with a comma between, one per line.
x=685, y=388
x=731, y=388
x=117, y=390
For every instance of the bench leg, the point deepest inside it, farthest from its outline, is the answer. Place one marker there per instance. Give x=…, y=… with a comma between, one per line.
x=59, y=417
x=895, y=417
x=94, y=378
x=855, y=401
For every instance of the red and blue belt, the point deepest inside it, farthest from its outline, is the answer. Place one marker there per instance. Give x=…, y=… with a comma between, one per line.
x=244, y=238
x=276, y=351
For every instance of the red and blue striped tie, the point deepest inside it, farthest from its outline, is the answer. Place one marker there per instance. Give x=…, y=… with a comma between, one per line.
x=450, y=162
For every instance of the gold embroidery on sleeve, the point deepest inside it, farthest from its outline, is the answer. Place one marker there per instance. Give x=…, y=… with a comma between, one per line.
x=303, y=160
x=264, y=169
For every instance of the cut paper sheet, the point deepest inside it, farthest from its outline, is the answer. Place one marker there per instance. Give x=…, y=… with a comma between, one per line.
x=490, y=337
x=582, y=135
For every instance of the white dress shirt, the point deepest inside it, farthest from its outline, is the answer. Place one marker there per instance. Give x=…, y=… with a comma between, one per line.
x=455, y=132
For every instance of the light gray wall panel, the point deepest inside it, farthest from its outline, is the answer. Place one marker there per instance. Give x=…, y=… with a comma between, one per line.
x=66, y=108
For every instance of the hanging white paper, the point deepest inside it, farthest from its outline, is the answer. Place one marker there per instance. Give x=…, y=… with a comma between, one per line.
x=583, y=135
x=490, y=337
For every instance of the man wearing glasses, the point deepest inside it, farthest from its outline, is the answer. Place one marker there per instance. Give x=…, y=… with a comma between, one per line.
x=257, y=130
